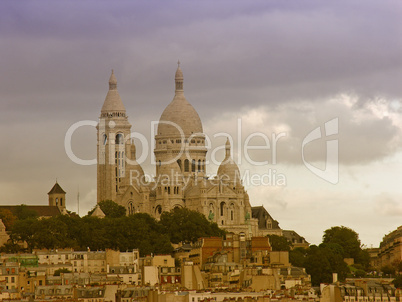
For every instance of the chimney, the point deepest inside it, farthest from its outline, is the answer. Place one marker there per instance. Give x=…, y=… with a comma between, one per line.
x=334, y=277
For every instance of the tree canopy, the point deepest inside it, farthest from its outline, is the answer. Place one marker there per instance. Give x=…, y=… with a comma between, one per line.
x=346, y=238
x=279, y=243
x=110, y=209
x=7, y=217
x=120, y=233
x=327, y=258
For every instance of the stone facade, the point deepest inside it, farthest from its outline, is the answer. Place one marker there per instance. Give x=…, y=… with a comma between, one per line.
x=180, y=154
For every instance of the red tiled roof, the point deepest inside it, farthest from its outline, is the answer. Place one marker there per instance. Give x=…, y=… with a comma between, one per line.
x=42, y=211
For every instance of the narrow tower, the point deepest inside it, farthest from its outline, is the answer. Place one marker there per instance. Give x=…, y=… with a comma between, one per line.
x=113, y=142
x=57, y=196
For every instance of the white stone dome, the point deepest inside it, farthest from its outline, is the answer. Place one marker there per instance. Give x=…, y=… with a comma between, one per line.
x=179, y=114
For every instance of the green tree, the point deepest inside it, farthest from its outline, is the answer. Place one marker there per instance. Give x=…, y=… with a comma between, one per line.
x=346, y=238
x=317, y=265
x=61, y=270
x=279, y=243
x=297, y=256
x=322, y=261
x=359, y=273
x=182, y=224
x=22, y=230
x=8, y=218
x=388, y=270
x=398, y=281
x=23, y=212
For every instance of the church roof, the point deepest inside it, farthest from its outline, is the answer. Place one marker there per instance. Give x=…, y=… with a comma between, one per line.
x=42, y=211
x=56, y=189
x=113, y=101
x=262, y=215
x=179, y=114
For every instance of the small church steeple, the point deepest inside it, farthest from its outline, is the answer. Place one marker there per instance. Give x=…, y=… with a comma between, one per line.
x=57, y=196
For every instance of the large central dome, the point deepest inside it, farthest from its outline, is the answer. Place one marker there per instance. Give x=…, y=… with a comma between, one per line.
x=179, y=114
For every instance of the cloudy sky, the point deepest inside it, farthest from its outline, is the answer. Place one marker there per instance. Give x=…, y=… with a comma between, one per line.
x=272, y=67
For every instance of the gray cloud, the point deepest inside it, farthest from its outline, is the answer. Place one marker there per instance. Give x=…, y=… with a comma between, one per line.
x=286, y=62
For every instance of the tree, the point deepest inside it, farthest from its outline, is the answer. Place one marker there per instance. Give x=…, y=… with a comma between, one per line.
x=322, y=261
x=279, y=243
x=297, y=256
x=318, y=266
x=8, y=218
x=398, y=281
x=23, y=212
x=61, y=270
x=346, y=238
x=22, y=230
x=182, y=224
x=388, y=270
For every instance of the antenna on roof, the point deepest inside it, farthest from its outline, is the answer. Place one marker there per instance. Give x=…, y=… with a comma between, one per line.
x=78, y=200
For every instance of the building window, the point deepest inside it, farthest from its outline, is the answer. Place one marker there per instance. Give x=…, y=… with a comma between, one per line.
x=186, y=165
x=119, y=139
x=193, y=165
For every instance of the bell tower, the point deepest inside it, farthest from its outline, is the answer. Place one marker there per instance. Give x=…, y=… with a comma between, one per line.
x=114, y=144
x=57, y=196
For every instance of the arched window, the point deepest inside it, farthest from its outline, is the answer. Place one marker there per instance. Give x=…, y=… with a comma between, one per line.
x=130, y=208
x=193, y=165
x=203, y=165
x=222, y=207
x=179, y=163
x=119, y=139
x=199, y=165
x=61, y=201
x=186, y=166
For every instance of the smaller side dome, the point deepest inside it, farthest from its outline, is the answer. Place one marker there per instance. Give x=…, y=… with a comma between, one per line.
x=228, y=171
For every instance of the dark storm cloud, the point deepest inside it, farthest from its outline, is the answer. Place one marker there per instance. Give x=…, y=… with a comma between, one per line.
x=282, y=50
x=286, y=58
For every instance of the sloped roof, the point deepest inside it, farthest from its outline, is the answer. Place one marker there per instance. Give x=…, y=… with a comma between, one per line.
x=42, y=211
x=98, y=212
x=56, y=189
x=293, y=237
x=262, y=215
